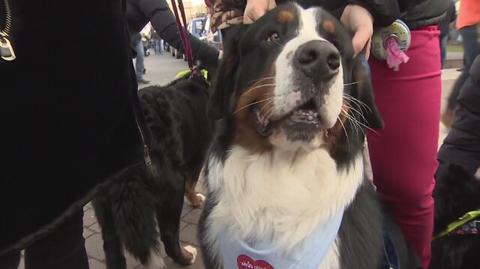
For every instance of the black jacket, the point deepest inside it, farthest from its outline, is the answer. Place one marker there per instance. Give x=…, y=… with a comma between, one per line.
x=416, y=13
x=450, y=17
x=140, y=12
x=66, y=112
x=462, y=144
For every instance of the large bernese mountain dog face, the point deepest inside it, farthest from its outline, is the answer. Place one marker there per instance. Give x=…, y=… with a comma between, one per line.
x=290, y=81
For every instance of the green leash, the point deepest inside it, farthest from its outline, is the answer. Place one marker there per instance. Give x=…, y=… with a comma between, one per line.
x=459, y=223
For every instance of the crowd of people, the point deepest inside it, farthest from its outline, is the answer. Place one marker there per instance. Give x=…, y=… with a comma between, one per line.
x=43, y=94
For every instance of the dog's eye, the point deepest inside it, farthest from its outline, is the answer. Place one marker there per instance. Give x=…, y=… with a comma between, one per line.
x=273, y=36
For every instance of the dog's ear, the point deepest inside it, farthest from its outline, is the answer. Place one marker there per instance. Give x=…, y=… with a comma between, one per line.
x=364, y=92
x=224, y=81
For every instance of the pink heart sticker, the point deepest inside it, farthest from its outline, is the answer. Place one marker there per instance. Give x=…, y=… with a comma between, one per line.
x=245, y=262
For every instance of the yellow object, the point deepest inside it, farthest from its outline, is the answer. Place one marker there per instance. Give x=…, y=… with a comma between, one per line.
x=187, y=72
x=458, y=223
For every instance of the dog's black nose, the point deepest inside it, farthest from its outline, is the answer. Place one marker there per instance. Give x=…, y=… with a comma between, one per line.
x=318, y=59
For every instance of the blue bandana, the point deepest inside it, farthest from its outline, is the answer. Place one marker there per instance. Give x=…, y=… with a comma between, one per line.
x=237, y=254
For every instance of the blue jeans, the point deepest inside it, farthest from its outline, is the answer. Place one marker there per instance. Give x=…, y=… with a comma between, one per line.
x=158, y=46
x=139, y=60
x=471, y=48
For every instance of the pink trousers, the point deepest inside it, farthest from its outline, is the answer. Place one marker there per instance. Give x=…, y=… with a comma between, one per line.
x=403, y=154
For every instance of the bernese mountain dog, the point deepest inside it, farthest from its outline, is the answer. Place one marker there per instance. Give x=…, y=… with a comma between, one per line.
x=146, y=203
x=285, y=179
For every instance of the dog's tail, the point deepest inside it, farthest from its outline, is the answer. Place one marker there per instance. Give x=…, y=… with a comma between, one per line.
x=134, y=213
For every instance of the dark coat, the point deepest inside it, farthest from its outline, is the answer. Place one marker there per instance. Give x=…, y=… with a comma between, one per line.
x=66, y=111
x=416, y=13
x=462, y=145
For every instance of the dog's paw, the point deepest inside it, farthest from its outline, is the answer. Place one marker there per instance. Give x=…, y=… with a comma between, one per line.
x=197, y=200
x=192, y=251
x=200, y=199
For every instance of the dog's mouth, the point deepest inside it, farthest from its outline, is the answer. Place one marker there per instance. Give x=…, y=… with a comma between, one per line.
x=305, y=117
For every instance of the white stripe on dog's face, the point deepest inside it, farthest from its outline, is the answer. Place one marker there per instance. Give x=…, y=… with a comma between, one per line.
x=287, y=94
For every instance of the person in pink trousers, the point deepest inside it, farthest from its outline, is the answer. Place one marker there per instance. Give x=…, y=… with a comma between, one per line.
x=403, y=154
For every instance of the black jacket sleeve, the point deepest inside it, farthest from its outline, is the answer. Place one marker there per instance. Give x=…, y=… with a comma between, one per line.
x=384, y=12
x=461, y=146
x=163, y=21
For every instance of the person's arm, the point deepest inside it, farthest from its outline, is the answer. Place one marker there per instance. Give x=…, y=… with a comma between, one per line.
x=163, y=21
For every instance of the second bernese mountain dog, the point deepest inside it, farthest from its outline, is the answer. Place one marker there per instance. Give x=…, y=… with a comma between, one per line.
x=145, y=203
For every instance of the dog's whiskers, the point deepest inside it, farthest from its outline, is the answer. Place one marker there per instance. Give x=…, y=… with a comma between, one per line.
x=353, y=122
x=344, y=129
x=261, y=79
x=352, y=83
x=358, y=112
x=254, y=103
x=356, y=101
x=260, y=86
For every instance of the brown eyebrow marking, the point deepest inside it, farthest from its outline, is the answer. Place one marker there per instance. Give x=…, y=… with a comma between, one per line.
x=285, y=16
x=329, y=26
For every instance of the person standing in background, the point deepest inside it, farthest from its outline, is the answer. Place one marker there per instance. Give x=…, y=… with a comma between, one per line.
x=468, y=24
x=141, y=52
x=137, y=45
x=445, y=30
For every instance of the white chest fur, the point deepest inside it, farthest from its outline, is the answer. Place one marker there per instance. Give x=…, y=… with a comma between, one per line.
x=279, y=197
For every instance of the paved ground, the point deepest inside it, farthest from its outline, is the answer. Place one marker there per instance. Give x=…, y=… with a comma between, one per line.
x=161, y=70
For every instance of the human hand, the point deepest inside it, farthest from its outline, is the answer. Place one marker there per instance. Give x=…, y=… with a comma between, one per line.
x=360, y=21
x=256, y=8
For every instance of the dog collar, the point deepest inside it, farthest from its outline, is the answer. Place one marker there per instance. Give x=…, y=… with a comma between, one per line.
x=188, y=72
x=467, y=224
x=309, y=254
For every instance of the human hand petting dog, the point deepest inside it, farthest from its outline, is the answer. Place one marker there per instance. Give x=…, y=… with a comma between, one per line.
x=360, y=21
x=256, y=8
x=354, y=17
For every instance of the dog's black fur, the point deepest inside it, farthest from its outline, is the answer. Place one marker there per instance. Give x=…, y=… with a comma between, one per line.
x=456, y=193
x=130, y=209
